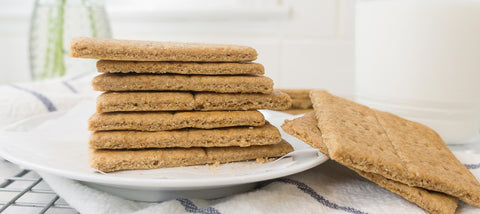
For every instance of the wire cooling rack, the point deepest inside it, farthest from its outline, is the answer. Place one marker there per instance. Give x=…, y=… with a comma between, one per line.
x=24, y=191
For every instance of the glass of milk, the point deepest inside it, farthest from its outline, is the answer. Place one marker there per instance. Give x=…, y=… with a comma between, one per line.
x=420, y=59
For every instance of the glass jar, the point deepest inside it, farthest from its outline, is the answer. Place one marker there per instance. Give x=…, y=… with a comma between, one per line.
x=53, y=24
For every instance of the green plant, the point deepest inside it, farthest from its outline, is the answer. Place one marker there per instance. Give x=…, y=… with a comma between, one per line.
x=54, y=64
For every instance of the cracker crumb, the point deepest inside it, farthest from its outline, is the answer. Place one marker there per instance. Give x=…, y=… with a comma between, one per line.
x=213, y=167
x=264, y=160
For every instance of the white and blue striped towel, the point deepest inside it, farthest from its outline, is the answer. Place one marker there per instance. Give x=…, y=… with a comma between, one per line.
x=328, y=188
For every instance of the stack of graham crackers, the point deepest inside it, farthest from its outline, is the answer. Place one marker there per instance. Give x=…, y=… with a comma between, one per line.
x=177, y=104
x=402, y=156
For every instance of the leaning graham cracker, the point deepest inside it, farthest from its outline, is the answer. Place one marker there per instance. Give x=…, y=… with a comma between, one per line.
x=161, y=121
x=186, y=101
x=398, y=149
x=196, y=68
x=433, y=202
x=353, y=136
x=178, y=82
x=185, y=138
x=133, y=50
x=429, y=161
x=305, y=128
x=114, y=160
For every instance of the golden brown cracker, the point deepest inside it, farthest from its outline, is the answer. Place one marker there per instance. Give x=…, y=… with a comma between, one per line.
x=305, y=128
x=177, y=82
x=196, y=68
x=398, y=149
x=297, y=93
x=115, y=160
x=186, y=101
x=160, y=121
x=186, y=138
x=128, y=50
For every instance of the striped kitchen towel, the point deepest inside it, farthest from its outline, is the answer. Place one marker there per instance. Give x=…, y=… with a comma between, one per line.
x=327, y=188
x=22, y=100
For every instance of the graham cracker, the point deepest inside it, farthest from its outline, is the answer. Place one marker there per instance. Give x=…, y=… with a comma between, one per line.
x=196, y=68
x=186, y=101
x=145, y=101
x=378, y=142
x=186, y=138
x=178, y=82
x=161, y=121
x=300, y=103
x=133, y=50
x=277, y=100
x=297, y=111
x=115, y=160
x=297, y=93
x=305, y=128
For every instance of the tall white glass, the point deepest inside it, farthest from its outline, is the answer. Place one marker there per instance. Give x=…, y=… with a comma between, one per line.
x=420, y=59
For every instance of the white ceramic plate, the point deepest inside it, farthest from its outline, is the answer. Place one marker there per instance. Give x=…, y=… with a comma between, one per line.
x=56, y=143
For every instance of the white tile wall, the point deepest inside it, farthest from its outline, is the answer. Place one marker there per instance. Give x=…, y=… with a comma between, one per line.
x=312, y=18
x=317, y=64
x=346, y=19
x=302, y=43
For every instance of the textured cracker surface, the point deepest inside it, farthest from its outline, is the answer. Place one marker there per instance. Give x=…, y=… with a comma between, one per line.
x=115, y=49
x=211, y=101
x=354, y=137
x=238, y=136
x=182, y=101
x=160, y=121
x=145, y=101
x=297, y=93
x=203, y=68
x=305, y=128
x=114, y=160
x=166, y=82
x=385, y=144
x=428, y=160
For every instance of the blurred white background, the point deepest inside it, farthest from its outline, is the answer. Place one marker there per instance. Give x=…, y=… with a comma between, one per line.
x=302, y=43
